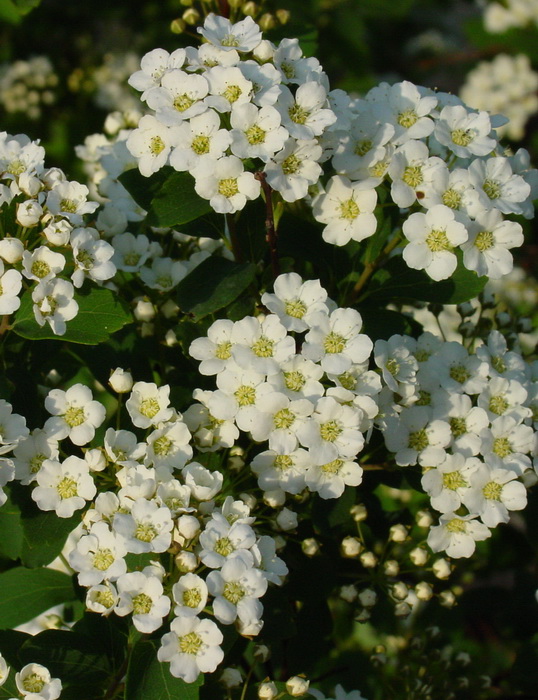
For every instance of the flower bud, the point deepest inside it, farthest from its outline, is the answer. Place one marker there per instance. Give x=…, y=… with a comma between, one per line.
x=368, y=598
x=275, y=498
x=267, y=21
x=398, y=533
x=399, y=590
x=186, y=562
x=95, y=459
x=447, y=599
x=503, y=319
x=402, y=610
x=368, y=560
x=144, y=310
x=350, y=547
x=121, y=381
x=11, y=250
x=358, y=512
x=363, y=616
x=261, y=653
x=348, y=593
x=231, y=677
x=310, y=546
x=188, y=526
x=264, y=51
x=191, y=16
x=424, y=518
x=250, y=9
x=419, y=556
x=423, y=590
x=178, y=26
x=441, y=568
x=267, y=690
x=297, y=686
x=249, y=500
x=465, y=309
x=391, y=567
x=286, y=519
x=283, y=16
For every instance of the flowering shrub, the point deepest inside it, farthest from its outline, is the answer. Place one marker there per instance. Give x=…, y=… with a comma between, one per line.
x=231, y=439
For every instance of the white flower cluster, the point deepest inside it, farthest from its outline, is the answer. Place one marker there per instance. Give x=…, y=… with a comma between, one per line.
x=469, y=420
x=268, y=388
x=48, y=217
x=506, y=85
x=234, y=99
x=439, y=157
x=160, y=501
x=110, y=80
x=27, y=86
x=33, y=681
x=501, y=16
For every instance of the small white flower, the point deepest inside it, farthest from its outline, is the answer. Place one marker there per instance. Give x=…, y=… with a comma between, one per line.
x=69, y=199
x=92, y=257
x=457, y=535
x=256, y=133
x=490, y=238
x=406, y=108
x=181, y=96
x=54, y=304
x=494, y=493
x=190, y=594
x=347, y=210
x=148, y=404
x=228, y=87
x=74, y=414
x=465, y=133
x=142, y=595
x=242, y=36
x=199, y=137
x=42, y=264
x=225, y=183
x=98, y=556
x=449, y=482
x=191, y=647
x=35, y=680
x=293, y=169
x=148, y=528
x=305, y=114
x=169, y=446
x=236, y=588
x=64, y=487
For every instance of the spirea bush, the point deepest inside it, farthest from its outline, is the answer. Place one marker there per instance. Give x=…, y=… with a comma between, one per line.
x=239, y=459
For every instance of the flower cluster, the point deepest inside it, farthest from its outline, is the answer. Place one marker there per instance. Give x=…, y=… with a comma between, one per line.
x=237, y=98
x=506, y=85
x=469, y=420
x=438, y=157
x=46, y=212
x=501, y=16
x=33, y=681
x=269, y=389
x=28, y=86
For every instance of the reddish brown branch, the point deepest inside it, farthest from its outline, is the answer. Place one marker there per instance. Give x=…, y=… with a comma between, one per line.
x=270, y=230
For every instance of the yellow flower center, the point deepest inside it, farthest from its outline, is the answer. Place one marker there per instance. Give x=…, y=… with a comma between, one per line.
x=362, y=147
x=295, y=308
x=228, y=187
x=183, y=102
x=283, y=462
x=284, y=419
x=245, y=395
x=407, y=118
x=453, y=481
x=294, y=380
x=437, y=240
x=145, y=532
x=224, y=546
x=462, y=137
x=492, y=189
x=456, y=525
x=458, y=426
x=330, y=431
x=74, y=416
x=232, y=93
x=418, y=440
x=162, y=446
x=230, y=40
x=233, y=592
x=103, y=559
x=451, y=198
x=200, y=144
x=492, y=491
x=413, y=176
x=156, y=145
x=255, y=135
x=190, y=643
x=498, y=405
x=149, y=407
x=298, y=114
x=34, y=683
x=223, y=350
x=192, y=597
x=291, y=165
x=332, y=467
x=459, y=373
x=349, y=209
x=334, y=343
x=484, y=240
x=105, y=598
x=263, y=347
x=142, y=604
x=40, y=269
x=502, y=447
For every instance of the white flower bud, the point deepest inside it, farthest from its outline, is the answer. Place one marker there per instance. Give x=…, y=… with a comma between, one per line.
x=465, y=309
x=368, y=559
x=447, y=599
x=399, y=590
x=297, y=686
x=358, y=512
x=402, y=609
x=286, y=520
x=463, y=658
x=231, y=677
x=350, y=547
x=186, y=562
x=419, y=556
x=169, y=309
x=188, y=526
x=261, y=653
x=424, y=518
x=503, y=319
x=264, y=51
x=95, y=459
x=274, y=499
x=170, y=338
x=348, y=593
x=441, y=568
x=398, y=533
x=249, y=500
x=267, y=690
x=310, y=546
x=4, y=670
x=121, y=381
x=249, y=628
x=144, y=310
x=368, y=598
x=423, y=590
x=391, y=567
x=363, y=616
x=29, y=213
x=11, y=250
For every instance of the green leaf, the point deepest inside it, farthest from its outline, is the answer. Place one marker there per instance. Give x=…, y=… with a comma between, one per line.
x=396, y=280
x=43, y=532
x=9, y=12
x=11, y=533
x=100, y=313
x=212, y=285
x=149, y=679
x=168, y=196
x=381, y=324
x=27, y=593
x=80, y=661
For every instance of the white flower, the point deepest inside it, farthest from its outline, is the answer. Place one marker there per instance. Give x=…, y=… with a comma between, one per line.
x=148, y=528
x=190, y=595
x=256, y=133
x=29, y=213
x=465, y=133
x=329, y=479
x=396, y=360
x=30, y=453
x=92, y=257
x=466, y=422
x=412, y=171
x=347, y=209
x=215, y=350
x=457, y=371
x=449, y=482
x=362, y=146
x=306, y=114
x=497, y=187
x=415, y=437
x=261, y=344
x=181, y=96
x=490, y=237
x=35, y=680
x=242, y=36
x=406, y=108
x=102, y=599
x=236, y=588
x=191, y=647
x=164, y=274
x=457, y=534
x=142, y=595
x=130, y=252
x=432, y=237
x=4, y=670
x=335, y=341
x=198, y=138
x=293, y=67
x=510, y=441
x=227, y=87
x=293, y=169
x=42, y=264
x=152, y=68
x=204, y=484
x=169, y=446
x=294, y=301
x=220, y=540
x=69, y=199
x=494, y=492
x=148, y=404
x=150, y=144
x=298, y=378
x=225, y=183
x=74, y=414
x=54, y=304
x=279, y=469
x=98, y=556
x=64, y=487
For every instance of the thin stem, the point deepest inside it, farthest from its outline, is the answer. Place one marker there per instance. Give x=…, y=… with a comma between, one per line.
x=224, y=8
x=116, y=681
x=372, y=267
x=270, y=229
x=247, y=681
x=234, y=239
x=4, y=324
